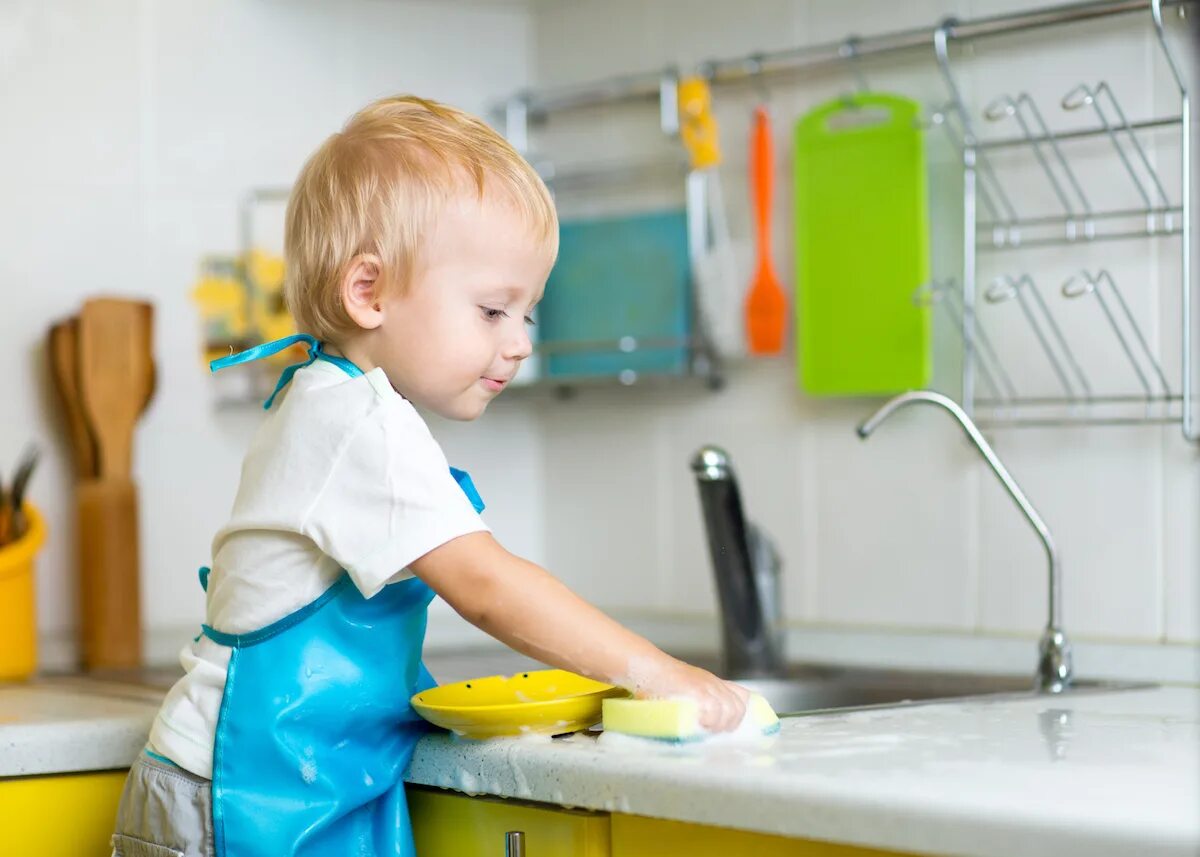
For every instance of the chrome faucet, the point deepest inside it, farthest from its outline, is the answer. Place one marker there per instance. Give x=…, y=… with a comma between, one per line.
x=746, y=566
x=1054, y=651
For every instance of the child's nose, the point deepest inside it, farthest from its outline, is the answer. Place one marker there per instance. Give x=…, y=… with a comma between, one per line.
x=519, y=346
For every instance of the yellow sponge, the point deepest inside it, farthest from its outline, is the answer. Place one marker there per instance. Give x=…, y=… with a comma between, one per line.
x=678, y=720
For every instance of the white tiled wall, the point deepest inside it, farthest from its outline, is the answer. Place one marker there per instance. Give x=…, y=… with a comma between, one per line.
x=133, y=130
x=909, y=531
x=136, y=126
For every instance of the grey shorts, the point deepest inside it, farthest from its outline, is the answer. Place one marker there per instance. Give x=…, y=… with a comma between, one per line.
x=165, y=811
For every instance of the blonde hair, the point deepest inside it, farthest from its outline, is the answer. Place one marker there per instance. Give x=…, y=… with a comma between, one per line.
x=376, y=186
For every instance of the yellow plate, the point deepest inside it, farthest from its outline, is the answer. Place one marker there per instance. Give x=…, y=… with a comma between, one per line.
x=541, y=702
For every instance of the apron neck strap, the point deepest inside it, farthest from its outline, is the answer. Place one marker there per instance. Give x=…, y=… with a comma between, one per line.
x=268, y=349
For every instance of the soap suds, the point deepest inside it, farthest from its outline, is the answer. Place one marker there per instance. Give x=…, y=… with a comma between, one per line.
x=308, y=768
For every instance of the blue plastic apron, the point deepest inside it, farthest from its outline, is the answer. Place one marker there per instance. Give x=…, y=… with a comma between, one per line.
x=315, y=729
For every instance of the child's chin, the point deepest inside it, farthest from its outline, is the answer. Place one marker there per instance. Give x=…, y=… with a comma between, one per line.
x=464, y=411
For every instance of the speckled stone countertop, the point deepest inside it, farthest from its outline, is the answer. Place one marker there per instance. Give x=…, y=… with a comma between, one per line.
x=62, y=724
x=1087, y=774
x=69, y=724
x=1092, y=774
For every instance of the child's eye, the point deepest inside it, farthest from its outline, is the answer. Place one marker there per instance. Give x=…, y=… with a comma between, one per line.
x=529, y=321
x=492, y=314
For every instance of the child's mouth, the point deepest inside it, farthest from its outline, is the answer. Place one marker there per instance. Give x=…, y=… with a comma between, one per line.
x=494, y=385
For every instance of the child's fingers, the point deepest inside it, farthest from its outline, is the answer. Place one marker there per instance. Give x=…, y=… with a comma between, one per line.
x=726, y=708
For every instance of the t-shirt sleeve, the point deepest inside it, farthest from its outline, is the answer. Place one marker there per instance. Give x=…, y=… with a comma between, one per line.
x=390, y=499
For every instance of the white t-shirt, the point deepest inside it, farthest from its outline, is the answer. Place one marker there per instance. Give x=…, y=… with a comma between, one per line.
x=342, y=474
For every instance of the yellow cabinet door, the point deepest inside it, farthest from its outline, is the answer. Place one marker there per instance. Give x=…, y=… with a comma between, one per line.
x=64, y=815
x=449, y=824
x=634, y=836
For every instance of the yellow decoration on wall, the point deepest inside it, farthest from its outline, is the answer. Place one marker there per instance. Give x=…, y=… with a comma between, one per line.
x=241, y=304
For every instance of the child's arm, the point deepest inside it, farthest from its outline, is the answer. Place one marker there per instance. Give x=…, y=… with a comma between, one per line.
x=525, y=607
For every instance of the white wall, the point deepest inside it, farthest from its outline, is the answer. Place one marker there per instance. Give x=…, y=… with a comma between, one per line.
x=908, y=534
x=133, y=130
x=135, y=127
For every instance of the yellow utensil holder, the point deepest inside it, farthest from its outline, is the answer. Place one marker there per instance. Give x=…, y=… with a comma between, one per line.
x=18, y=625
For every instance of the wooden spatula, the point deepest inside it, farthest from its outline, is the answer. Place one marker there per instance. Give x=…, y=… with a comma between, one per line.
x=63, y=348
x=109, y=600
x=150, y=382
x=116, y=375
x=766, y=304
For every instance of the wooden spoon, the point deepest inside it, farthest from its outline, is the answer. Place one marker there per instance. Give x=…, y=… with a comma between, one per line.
x=116, y=373
x=63, y=346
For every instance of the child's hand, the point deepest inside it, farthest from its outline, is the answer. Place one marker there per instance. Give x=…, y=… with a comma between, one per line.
x=722, y=704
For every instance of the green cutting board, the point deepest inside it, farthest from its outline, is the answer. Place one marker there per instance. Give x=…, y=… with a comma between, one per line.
x=862, y=247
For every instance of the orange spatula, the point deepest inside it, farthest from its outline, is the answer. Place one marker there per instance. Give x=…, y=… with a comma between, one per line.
x=766, y=303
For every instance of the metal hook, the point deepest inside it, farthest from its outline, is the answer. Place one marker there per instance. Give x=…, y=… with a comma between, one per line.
x=1027, y=280
x=1156, y=14
x=1084, y=95
x=754, y=68
x=849, y=52
x=1078, y=97
x=668, y=102
x=941, y=118
x=986, y=358
x=1104, y=276
x=1088, y=286
x=941, y=48
x=1084, y=283
x=1002, y=289
x=1004, y=106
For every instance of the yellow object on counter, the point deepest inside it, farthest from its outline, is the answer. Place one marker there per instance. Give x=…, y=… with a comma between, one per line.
x=18, y=631
x=540, y=702
x=678, y=720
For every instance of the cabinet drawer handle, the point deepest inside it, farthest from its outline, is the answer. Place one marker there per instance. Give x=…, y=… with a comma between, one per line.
x=514, y=844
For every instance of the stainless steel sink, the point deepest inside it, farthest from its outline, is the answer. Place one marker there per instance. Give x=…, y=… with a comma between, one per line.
x=857, y=689
x=801, y=689
x=810, y=688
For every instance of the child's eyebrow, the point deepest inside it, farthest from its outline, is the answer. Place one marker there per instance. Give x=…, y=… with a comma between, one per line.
x=511, y=292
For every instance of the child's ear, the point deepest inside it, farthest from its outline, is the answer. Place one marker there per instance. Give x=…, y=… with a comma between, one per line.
x=360, y=291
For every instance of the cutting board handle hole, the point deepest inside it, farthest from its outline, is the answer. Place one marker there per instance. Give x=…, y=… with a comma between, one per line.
x=853, y=117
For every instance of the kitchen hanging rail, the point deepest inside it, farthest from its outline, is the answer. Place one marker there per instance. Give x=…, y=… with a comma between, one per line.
x=1003, y=228
x=532, y=105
